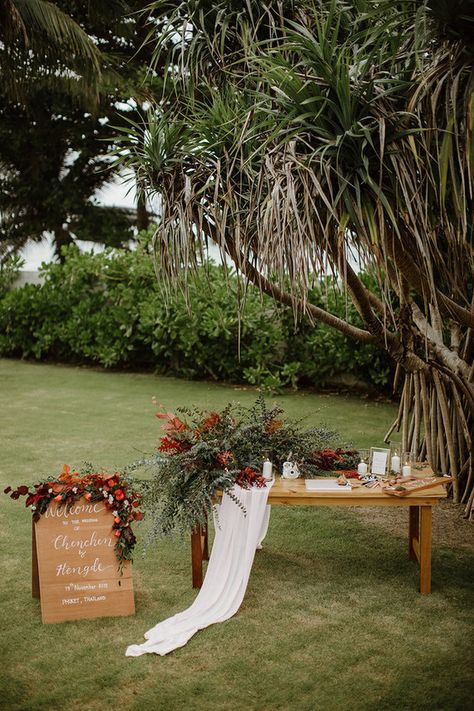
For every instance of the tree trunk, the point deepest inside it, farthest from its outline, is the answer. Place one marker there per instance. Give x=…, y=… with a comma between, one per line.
x=62, y=238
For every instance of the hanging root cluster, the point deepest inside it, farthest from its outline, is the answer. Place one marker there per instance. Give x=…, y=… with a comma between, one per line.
x=435, y=419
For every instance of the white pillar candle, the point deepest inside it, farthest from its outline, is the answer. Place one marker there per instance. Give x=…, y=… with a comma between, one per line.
x=362, y=469
x=406, y=471
x=267, y=470
x=395, y=464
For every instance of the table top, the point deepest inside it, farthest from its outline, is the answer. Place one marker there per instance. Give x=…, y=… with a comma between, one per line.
x=293, y=492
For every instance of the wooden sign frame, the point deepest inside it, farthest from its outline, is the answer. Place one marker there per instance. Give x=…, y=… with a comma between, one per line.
x=75, y=571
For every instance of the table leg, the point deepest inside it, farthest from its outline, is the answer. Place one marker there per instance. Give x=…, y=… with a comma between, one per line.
x=199, y=552
x=425, y=549
x=205, y=543
x=196, y=556
x=413, y=531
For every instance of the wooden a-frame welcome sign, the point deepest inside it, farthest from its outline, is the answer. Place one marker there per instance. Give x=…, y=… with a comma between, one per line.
x=75, y=571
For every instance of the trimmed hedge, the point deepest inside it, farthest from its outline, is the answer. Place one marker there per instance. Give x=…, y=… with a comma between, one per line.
x=108, y=309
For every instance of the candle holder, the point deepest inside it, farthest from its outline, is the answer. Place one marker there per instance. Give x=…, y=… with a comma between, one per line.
x=362, y=467
x=395, y=460
x=408, y=459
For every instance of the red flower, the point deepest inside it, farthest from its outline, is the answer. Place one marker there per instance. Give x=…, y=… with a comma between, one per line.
x=138, y=515
x=117, y=519
x=117, y=533
x=87, y=496
x=58, y=498
x=135, y=503
x=119, y=495
x=173, y=445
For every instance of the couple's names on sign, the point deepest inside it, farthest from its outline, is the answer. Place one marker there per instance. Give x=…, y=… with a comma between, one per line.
x=75, y=569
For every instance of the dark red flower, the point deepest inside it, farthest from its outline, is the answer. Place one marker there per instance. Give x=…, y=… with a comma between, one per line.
x=249, y=477
x=22, y=490
x=224, y=458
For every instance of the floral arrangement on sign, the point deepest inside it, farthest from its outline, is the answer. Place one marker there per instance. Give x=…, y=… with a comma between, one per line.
x=70, y=486
x=201, y=452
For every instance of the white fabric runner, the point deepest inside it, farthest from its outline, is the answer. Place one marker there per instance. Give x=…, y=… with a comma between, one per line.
x=228, y=571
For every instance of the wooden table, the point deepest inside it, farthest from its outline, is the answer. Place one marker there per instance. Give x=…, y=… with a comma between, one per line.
x=292, y=492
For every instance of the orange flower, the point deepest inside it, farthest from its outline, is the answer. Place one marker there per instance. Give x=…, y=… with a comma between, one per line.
x=58, y=498
x=273, y=426
x=117, y=519
x=87, y=496
x=209, y=422
x=173, y=424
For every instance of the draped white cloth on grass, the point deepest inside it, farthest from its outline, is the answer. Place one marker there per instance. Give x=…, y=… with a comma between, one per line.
x=237, y=536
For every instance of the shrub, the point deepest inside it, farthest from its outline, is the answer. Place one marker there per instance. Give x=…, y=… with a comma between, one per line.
x=109, y=309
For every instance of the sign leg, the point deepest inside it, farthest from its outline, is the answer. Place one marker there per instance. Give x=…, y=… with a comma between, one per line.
x=35, y=586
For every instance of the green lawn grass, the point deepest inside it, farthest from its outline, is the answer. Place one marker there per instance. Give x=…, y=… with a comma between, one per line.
x=331, y=620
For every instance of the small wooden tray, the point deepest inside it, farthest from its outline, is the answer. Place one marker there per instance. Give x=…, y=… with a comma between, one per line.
x=417, y=485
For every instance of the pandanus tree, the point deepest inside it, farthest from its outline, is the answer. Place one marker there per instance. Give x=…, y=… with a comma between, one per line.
x=313, y=137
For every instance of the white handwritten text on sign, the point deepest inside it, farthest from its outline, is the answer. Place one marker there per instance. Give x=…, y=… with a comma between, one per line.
x=78, y=570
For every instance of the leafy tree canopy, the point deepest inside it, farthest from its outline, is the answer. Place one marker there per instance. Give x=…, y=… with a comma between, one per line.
x=78, y=66
x=295, y=134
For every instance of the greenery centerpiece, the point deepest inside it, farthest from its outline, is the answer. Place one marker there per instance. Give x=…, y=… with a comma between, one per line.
x=202, y=452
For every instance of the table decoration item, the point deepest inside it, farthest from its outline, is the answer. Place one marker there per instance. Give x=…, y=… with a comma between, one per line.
x=290, y=469
x=379, y=461
x=330, y=485
x=415, y=485
x=395, y=462
x=267, y=470
x=408, y=459
x=362, y=466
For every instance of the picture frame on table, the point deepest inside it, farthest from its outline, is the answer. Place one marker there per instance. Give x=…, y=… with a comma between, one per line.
x=379, y=461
